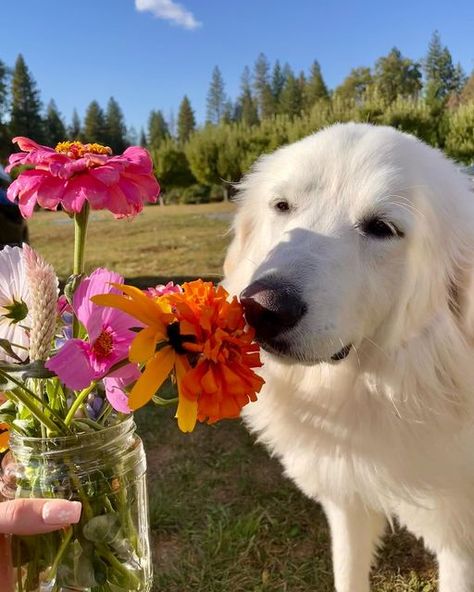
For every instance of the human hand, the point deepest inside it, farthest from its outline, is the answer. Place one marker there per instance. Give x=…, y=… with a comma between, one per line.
x=27, y=517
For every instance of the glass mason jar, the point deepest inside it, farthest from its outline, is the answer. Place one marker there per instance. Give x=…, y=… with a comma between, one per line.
x=109, y=549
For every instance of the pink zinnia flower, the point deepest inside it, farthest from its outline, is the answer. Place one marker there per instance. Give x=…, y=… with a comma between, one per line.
x=163, y=289
x=109, y=334
x=74, y=173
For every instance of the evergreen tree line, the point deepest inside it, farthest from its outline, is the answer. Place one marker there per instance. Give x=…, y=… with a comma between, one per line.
x=21, y=114
x=431, y=98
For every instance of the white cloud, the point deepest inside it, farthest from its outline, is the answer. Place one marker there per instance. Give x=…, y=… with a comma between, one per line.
x=169, y=10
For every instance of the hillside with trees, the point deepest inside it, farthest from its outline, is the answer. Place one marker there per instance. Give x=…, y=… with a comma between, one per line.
x=431, y=98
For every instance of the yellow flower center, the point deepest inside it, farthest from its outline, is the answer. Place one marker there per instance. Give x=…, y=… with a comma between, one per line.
x=103, y=345
x=77, y=149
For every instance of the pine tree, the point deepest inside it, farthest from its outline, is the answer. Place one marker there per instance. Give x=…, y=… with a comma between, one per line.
x=157, y=129
x=172, y=124
x=278, y=82
x=3, y=90
x=131, y=139
x=55, y=130
x=467, y=94
x=315, y=88
x=291, y=99
x=25, y=117
x=216, y=97
x=186, y=120
x=5, y=144
x=116, y=129
x=263, y=90
x=439, y=71
x=247, y=107
x=397, y=76
x=228, y=114
x=355, y=86
x=143, y=142
x=75, y=129
x=459, y=79
x=94, y=124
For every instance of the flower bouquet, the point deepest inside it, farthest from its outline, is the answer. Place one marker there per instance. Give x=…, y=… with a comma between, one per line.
x=74, y=367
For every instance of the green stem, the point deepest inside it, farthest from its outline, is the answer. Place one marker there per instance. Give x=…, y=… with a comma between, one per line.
x=80, y=232
x=81, y=397
x=38, y=390
x=34, y=410
x=59, y=555
x=116, y=564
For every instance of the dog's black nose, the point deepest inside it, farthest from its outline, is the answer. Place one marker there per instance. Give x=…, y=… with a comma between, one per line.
x=272, y=306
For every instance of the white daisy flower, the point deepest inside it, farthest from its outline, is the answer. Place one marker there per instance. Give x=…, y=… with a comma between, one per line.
x=15, y=317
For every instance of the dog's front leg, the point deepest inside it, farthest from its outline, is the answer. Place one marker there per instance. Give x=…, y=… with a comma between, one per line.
x=355, y=532
x=456, y=571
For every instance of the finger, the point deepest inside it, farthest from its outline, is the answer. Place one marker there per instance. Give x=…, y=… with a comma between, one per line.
x=35, y=516
x=6, y=571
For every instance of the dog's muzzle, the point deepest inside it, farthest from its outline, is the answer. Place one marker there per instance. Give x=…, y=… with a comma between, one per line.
x=272, y=307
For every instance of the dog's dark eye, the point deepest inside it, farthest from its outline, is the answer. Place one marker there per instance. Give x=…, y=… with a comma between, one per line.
x=282, y=206
x=379, y=228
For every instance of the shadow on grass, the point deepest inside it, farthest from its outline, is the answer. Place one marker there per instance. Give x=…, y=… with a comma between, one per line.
x=224, y=519
x=145, y=281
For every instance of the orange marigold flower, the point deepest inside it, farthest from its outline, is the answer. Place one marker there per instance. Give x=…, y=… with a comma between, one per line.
x=4, y=436
x=223, y=380
x=203, y=337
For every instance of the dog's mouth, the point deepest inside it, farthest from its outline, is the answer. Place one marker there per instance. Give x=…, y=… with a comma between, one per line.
x=342, y=353
x=286, y=351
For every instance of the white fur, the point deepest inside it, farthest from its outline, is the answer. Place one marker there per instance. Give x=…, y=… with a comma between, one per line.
x=389, y=431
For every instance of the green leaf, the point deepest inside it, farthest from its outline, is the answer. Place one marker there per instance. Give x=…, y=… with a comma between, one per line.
x=7, y=347
x=102, y=529
x=37, y=369
x=72, y=283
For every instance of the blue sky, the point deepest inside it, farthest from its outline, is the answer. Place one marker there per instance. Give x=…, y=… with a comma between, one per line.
x=149, y=58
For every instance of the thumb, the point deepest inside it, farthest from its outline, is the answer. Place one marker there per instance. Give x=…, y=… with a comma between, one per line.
x=35, y=516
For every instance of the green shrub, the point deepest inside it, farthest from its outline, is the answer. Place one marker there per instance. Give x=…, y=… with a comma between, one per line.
x=195, y=194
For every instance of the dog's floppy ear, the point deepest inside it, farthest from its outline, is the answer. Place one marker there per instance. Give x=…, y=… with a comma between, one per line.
x=243, y=230
x=461, y=298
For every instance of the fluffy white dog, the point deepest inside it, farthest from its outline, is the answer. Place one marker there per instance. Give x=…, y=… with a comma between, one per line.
x=354, y=251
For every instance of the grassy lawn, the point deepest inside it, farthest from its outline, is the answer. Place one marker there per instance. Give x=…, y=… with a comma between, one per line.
x=162, y=241
x=223, y=517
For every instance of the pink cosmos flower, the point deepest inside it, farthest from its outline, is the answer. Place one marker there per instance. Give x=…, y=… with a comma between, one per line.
x=115, y=385
x=74, y=173
x=109, y=334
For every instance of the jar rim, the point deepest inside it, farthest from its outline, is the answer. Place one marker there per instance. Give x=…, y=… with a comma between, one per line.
x=17, y=439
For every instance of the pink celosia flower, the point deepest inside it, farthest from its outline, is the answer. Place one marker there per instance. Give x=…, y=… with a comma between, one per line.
x=43, y=285
x=74, y=173
x=109, y=334
x=162, y=290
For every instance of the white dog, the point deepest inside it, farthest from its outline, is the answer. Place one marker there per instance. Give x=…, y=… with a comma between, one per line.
x=354, y=252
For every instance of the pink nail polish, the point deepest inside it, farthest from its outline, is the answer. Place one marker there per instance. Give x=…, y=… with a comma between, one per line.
x=61, y=512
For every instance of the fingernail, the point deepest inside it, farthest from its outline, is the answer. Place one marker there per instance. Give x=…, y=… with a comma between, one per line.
x=61, y=512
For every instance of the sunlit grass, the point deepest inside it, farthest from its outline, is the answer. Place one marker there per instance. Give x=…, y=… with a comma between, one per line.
x=162, y=241
x=225, y=520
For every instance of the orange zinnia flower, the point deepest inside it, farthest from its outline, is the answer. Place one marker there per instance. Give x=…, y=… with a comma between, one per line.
x=200, y=335
x=222, y=381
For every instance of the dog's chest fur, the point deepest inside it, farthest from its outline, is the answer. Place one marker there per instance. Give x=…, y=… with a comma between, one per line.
x=338, y=438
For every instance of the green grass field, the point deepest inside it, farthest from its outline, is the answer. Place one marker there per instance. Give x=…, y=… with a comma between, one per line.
x=223, y=517
x=162, y=241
